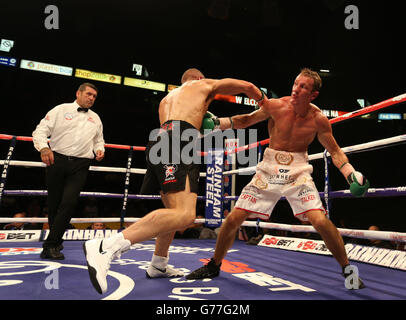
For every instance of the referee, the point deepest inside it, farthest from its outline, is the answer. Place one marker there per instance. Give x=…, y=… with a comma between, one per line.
x=76, y=137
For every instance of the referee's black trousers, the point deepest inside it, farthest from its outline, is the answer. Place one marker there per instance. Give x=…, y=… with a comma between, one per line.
x=65, y=179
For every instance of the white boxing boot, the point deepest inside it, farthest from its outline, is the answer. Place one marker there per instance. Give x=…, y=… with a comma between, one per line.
x=99, y=253
x=158, y=268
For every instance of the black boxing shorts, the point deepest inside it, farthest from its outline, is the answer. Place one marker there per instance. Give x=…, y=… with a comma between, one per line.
x=166, y=167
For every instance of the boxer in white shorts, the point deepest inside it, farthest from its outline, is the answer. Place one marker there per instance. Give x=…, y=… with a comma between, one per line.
x=281, y=174
x=293, y=123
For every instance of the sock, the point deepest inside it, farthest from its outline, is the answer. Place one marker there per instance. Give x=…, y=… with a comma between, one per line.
x=159, y=262
x=117, y=242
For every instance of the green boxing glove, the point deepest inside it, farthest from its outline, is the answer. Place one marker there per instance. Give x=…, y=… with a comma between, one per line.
x=359, y=185
x=210, y=122
x=257, y=107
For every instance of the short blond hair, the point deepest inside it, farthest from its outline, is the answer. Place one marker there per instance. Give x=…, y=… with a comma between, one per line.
x=191, y=74
x=317, y=82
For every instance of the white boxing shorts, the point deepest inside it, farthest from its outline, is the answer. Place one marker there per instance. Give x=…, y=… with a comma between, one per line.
x=281, y=174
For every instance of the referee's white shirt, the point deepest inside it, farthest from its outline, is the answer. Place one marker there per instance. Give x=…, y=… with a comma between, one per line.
x=72, y=133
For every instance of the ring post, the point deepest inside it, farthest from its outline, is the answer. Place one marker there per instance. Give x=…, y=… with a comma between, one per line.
x=126, y=187
x=229, y=180
x=327, y=188
x=214, y=188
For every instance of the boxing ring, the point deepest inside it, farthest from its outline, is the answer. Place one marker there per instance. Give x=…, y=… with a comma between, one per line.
x=278, y=268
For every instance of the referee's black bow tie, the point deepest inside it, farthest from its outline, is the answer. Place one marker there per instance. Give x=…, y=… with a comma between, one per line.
x=80, y=109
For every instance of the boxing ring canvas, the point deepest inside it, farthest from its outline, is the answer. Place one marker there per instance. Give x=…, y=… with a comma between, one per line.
x=249, y=273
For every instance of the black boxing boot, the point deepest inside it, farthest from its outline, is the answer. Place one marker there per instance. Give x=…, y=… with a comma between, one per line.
x=210, y=270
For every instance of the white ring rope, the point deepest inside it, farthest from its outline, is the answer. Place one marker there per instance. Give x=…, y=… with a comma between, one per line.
x=36, y=164
x=376, y=192
x=361, y=234
x=369, y=146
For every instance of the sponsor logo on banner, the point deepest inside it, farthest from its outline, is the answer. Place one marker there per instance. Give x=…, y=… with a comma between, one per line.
x=294, y=244
x=98, y=76
x=145, y=84
x=46, y=67
x=214, y=188
x=32, y=235
x=383, y=257
x=73, y=234
x=6, y=45
x=38, y=235
x=8, y=61
x=83, y=234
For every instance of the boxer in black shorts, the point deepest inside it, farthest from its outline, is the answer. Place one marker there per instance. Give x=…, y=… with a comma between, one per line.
x=185, y=106
x=171, y=175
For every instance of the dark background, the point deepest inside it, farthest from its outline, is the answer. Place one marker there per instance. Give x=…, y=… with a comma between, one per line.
x=266, y=42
